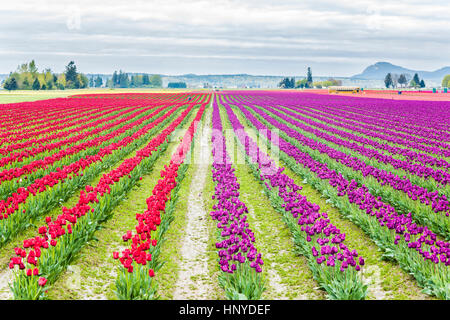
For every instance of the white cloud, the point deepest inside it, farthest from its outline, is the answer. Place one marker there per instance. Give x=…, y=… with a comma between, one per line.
x=321, y=30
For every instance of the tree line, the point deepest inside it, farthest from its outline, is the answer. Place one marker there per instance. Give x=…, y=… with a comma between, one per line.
x=27, y=77
x=176, y=85
x=123, y=80
x=393, y=80
x=290, y=83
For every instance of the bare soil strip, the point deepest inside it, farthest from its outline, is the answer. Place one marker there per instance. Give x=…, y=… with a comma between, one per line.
x=193, y=280
x=6, y=277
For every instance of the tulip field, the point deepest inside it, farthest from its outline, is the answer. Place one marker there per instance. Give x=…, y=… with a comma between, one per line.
x=225, y=195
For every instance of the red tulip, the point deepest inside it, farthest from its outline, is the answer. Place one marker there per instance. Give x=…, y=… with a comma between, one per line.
x=42, y=281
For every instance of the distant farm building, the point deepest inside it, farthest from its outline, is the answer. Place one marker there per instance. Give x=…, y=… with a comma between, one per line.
x=343, y=89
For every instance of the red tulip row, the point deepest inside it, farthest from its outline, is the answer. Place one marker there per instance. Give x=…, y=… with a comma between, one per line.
x=23, y=177
x=50, y=133
x=8, y=175
x=35, y=107
x=9, y=206
x=18, y=133
x=18, y=119
x=60, y=239
x=42, y=147
x=13, y=173
x=25, y=112
x=52, y=184
x=36, y=133
x=130, y=284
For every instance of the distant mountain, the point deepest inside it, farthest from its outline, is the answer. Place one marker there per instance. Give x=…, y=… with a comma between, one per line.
x=379, y=70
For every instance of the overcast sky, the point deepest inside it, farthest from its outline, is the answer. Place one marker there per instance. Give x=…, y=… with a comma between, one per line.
x=264, y=37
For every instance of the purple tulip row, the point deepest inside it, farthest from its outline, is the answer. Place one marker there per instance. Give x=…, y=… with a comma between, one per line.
x=237, y=245
x=440, y=176
x=322, y=103
x=398, y=126
x=409, y=155
x=419, y=238
x=326, y=240
x=428, y=119
x=373, y=130
x=439, y=203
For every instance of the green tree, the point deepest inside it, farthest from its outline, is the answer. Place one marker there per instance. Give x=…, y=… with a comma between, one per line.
x=446, y=81
x=71, y=75
x=301, y=83
x=120, y=80
x=36, y=84
x=23, y=68
x=422, y=83
x=309, y=79
x=155, y=81
x=124, y=81
x=91, y=82
x=98, y=82
x=114, y=79
x=50, y=85
x=145, y=80
x=32, y=67
x=137, y=81
x=388, y=81
x=10, y=84
x=61, y=82
x=25, y=84
x=415, y=82
x=82, y=80
x=416, y=79
x=402, y=80
x=285, y=83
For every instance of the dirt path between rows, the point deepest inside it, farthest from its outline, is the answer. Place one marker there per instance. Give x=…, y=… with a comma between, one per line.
x=193, y=279
x=6, y=277
x=374, y=281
